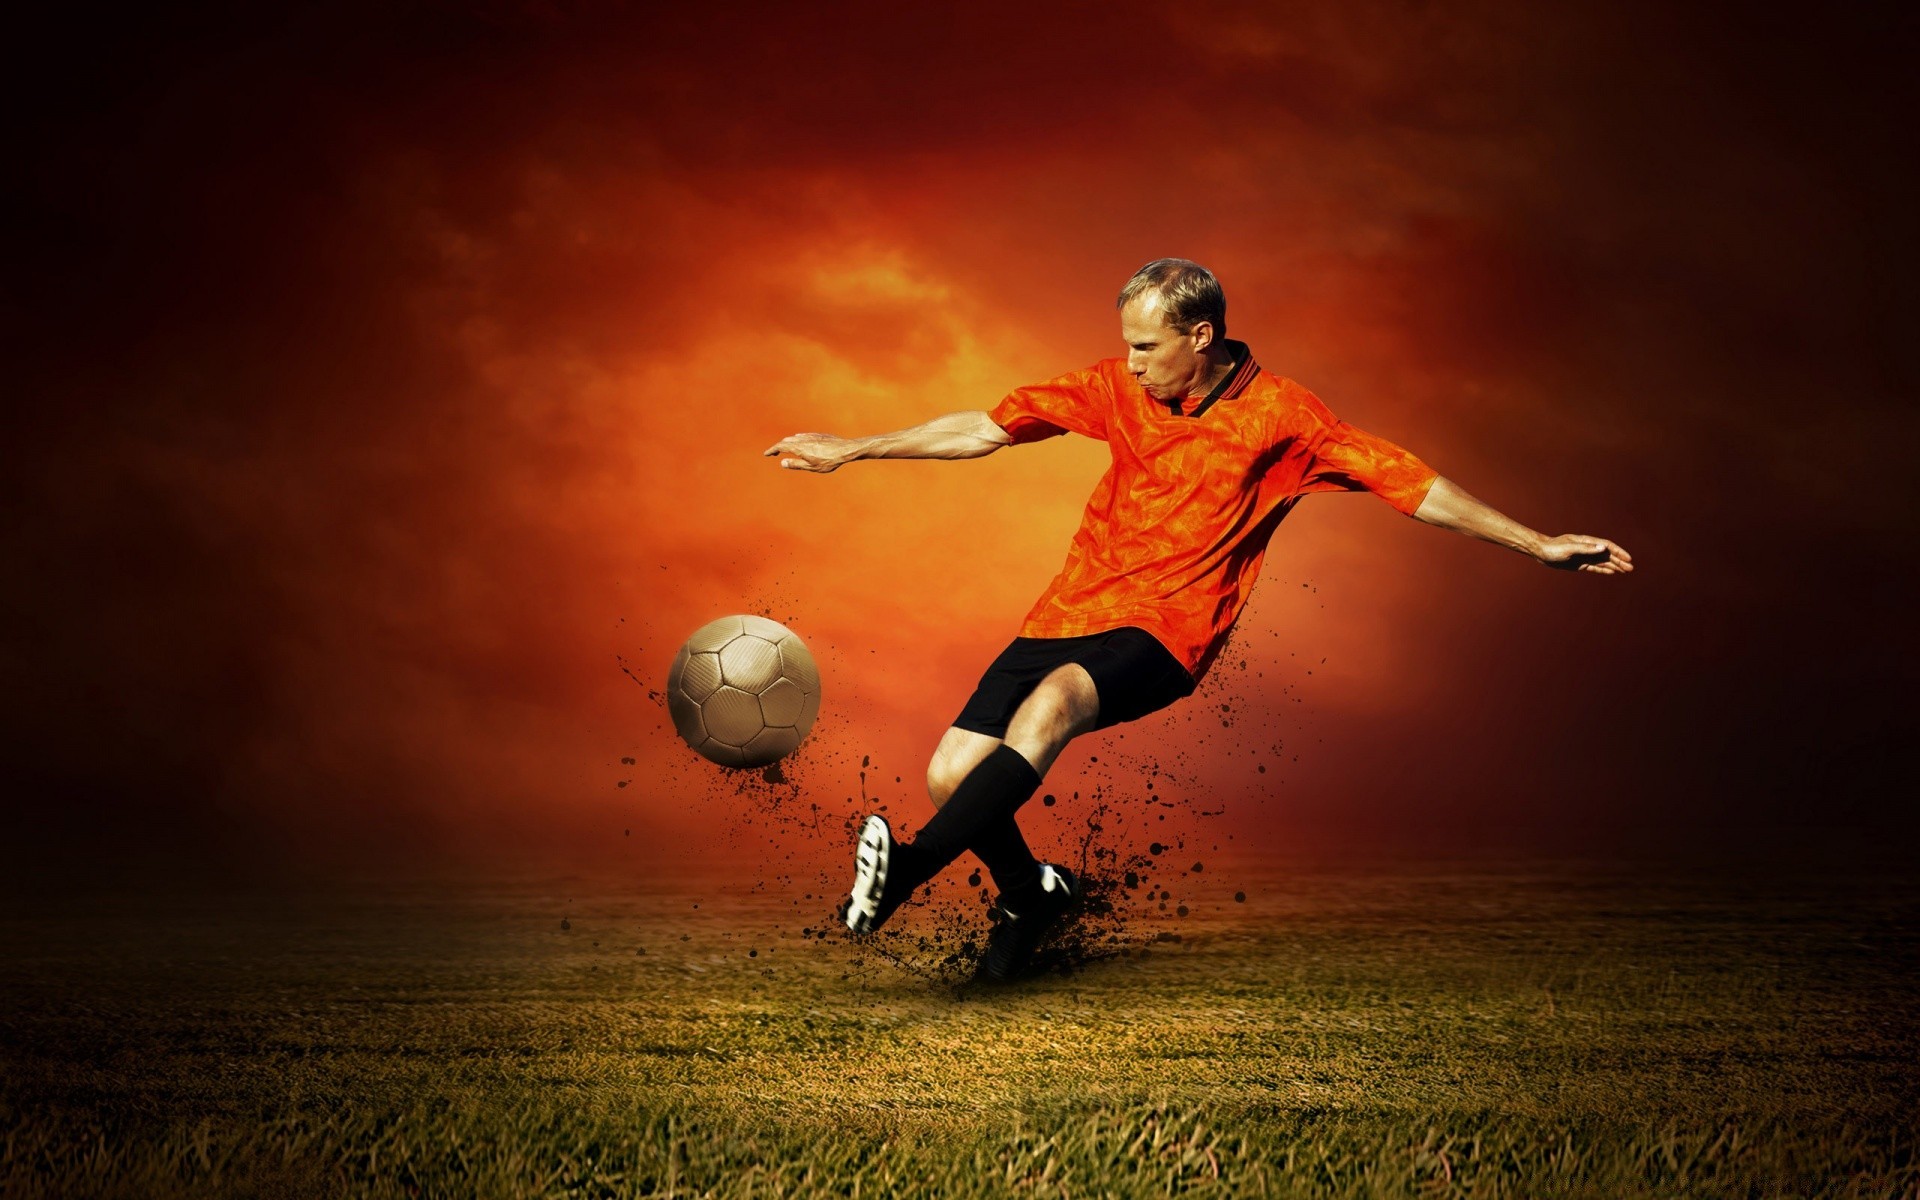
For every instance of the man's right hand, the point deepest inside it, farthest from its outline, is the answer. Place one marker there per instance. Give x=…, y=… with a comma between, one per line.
x=817, y=452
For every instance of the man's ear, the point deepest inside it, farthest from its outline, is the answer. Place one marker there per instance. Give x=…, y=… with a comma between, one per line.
x=1202, y=335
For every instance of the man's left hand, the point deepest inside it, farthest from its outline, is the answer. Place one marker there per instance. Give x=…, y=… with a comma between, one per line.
x=1579, y=552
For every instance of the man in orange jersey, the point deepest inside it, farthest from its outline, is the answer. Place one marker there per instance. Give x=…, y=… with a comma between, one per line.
x=1210, y=453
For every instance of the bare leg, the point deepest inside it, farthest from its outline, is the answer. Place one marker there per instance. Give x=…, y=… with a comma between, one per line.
x=1063, y=707
x=998, y=845
x=977, y=808
x=959, y=751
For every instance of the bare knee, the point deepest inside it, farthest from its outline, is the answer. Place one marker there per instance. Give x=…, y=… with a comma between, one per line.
x=958, y=753
x=942, y=778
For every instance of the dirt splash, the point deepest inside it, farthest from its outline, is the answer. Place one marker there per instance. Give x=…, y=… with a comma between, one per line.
x=1139, y=844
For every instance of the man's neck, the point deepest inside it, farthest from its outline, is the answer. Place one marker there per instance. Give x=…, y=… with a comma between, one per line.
x=1219, y=365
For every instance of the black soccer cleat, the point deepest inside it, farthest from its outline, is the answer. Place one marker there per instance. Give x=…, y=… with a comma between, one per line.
x=879, y=883
x=1022, y=920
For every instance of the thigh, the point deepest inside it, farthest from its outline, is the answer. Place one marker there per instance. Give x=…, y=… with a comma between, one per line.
x=1062, y=708
x=1010, y=679
x=1065, y=705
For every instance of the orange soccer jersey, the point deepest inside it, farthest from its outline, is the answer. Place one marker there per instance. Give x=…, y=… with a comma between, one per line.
x=1175, y=530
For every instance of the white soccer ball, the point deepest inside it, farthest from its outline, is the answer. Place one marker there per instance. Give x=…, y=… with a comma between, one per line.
x=743, y=691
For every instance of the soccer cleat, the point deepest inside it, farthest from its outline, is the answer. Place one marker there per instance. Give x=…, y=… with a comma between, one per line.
x=1020, y=921
x=879, y=885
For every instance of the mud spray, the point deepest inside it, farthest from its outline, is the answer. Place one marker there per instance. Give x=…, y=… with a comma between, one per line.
x=1138, y=829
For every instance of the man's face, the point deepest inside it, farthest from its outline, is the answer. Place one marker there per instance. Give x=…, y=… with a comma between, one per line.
x=1169, y=364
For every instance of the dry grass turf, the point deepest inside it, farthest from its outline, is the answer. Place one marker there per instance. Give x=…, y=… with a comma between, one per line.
x=1392, y=1033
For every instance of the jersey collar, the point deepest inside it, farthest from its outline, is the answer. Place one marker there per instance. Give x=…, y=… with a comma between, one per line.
x=1240, y=373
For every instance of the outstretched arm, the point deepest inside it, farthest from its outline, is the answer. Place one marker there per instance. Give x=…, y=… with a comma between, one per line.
x=956, y=435
x=1450, y=507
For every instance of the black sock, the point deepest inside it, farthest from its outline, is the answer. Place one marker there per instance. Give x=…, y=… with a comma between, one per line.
x=1005, y=854
x=985, y=801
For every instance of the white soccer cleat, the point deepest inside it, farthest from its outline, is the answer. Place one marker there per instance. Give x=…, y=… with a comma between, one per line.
x=869, y=905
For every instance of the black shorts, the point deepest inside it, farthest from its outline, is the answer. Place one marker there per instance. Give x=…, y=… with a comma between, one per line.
x=1132, y=672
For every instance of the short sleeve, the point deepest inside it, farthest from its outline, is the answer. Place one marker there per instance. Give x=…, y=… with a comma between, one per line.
x=1077, y=401
x=1344, y=458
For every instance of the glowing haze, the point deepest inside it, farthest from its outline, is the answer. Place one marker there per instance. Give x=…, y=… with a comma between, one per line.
x=396, y=378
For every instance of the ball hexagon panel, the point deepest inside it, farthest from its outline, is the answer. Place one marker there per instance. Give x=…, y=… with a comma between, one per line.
x=699, y=676
x=732, y=716
x=808, y=711
x=797, y=664
x=782, y=702
x=715, y=634
x=750, y=663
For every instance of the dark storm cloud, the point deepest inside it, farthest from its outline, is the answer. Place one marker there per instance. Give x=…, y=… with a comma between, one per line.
x=307, y=302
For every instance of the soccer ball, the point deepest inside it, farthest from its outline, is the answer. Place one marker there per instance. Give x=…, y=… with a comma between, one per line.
x=743, y=691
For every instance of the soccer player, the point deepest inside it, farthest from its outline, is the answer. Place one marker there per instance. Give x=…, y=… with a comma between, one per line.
x=1210, y=453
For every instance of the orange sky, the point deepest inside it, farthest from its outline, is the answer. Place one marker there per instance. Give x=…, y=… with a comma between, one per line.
x=399, y=376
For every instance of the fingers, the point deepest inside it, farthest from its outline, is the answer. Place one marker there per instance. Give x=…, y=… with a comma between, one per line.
x=790, y=444
x=1584, y=552
x=1606, y=568
x=1618, y=561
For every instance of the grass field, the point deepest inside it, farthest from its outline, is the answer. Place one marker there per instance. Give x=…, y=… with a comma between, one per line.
x=1407, y=1033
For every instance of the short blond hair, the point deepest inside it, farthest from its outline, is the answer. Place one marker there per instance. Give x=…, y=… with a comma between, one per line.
x=1188, y=292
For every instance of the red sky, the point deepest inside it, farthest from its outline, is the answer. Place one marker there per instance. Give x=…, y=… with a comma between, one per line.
x=387, y=380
